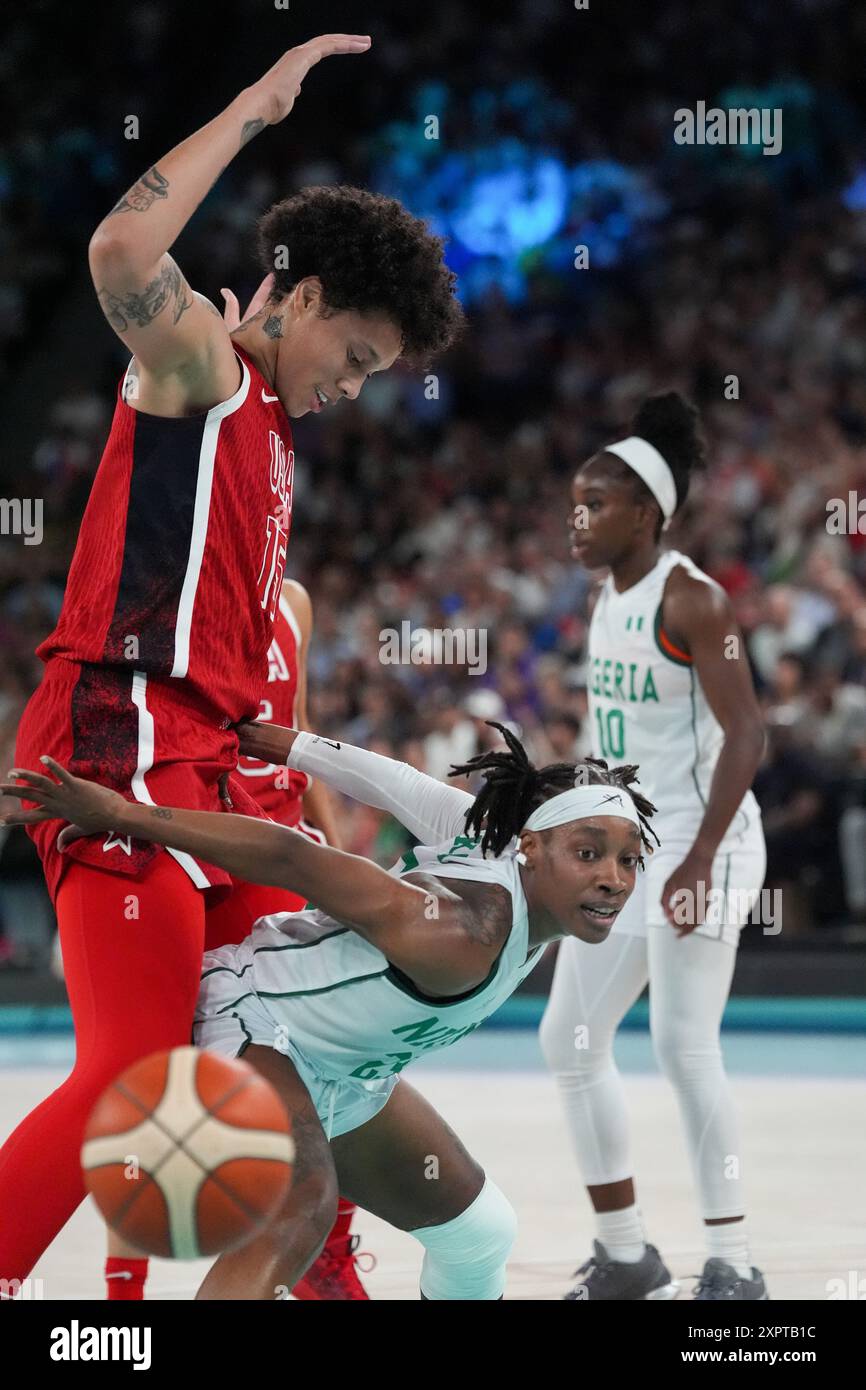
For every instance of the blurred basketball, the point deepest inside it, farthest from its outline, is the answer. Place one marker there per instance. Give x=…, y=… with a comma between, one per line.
x=188, y=1153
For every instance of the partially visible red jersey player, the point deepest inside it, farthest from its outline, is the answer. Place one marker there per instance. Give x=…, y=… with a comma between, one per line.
x=287, y=796
x=162, y=642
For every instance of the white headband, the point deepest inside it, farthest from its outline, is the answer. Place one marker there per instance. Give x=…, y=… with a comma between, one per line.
x=651, y=468
x=578, y=803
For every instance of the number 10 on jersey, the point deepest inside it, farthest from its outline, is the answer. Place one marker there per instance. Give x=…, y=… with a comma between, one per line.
x=610, y=727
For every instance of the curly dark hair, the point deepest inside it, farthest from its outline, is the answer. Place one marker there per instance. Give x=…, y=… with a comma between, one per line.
x=372, y=256
x=514, y=788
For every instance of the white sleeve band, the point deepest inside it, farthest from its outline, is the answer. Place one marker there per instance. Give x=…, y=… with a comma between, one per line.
x=432, y=811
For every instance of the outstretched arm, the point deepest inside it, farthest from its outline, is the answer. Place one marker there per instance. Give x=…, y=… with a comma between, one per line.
x=422, y=932
x=142, y=291
x=432, y=811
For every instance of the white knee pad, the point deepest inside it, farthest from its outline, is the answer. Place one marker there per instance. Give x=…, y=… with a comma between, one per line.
x=466, y=1257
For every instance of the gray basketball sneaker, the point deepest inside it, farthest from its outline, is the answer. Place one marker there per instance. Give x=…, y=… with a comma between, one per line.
x=604, y=1278
x=721, y=1281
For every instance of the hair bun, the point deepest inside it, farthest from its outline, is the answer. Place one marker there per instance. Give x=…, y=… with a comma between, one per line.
x=672, y=425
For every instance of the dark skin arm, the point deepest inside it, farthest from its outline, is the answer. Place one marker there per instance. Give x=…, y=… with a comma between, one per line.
x=435, y=936
x=698, y=618
x=269, y=742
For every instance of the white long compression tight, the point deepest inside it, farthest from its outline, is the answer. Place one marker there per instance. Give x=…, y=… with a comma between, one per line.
x=593, y=988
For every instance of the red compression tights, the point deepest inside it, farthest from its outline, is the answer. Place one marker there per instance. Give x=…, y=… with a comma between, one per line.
x=132, y=958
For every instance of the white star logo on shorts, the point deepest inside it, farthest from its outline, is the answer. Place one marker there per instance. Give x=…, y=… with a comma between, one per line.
x=115, y=841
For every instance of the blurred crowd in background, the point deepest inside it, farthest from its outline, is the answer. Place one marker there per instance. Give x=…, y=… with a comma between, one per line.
x=733, y=276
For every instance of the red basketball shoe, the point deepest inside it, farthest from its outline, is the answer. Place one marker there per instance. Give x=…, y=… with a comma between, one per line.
x=333, y=1275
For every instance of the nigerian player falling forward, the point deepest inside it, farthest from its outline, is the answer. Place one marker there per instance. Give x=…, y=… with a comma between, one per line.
x=669, y=689
x=333, y=1002
x=169, y=607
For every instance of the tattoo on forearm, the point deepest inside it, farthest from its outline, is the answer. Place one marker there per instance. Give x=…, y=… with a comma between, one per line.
x=161, y=813
x=141, y=309
x=250, y=130
x=273, y=326
x=143, y=194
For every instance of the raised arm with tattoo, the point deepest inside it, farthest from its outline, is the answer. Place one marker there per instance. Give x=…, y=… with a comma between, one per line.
x=173, y=332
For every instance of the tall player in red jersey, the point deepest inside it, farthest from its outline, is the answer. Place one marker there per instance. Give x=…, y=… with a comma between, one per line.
x=167, y=619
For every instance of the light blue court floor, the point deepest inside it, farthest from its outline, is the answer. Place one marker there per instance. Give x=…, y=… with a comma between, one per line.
x=516, y=1049
x=801, y=1100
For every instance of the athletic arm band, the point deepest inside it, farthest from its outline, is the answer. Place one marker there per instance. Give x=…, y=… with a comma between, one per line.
x=432, y=811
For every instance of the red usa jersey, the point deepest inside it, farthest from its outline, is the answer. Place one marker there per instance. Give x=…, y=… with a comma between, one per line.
x=279, y=790
x=179, y=561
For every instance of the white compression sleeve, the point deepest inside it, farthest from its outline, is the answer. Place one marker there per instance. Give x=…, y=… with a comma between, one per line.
x=432, y=811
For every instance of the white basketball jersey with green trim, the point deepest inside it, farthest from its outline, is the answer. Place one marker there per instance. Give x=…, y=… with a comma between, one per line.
x=647, y=707
x=338, y=998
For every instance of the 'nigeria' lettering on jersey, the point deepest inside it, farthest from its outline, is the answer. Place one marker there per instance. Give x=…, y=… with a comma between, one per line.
x=339, y=1000
x=647, y=705
x=619, y=680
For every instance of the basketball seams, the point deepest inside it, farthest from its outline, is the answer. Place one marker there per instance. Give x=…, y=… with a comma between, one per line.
x=180, y=1172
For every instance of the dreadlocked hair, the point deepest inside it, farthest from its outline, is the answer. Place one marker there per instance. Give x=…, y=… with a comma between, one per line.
x=514, y=788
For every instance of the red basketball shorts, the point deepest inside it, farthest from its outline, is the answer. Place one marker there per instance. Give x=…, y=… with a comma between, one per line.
x=153, y=742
